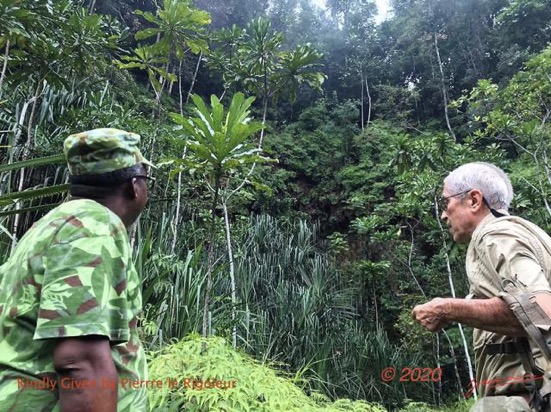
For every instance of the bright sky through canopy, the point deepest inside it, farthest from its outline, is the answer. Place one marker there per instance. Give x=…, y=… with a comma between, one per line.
x=382, y=5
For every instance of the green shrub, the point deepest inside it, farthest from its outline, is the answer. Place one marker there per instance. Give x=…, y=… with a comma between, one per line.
x=223, y=379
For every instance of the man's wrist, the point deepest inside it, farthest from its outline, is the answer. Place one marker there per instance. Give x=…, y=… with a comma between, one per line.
x=450, y=309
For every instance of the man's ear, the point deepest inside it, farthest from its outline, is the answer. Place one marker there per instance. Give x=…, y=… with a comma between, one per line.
x=476, y=199
x=132, y=188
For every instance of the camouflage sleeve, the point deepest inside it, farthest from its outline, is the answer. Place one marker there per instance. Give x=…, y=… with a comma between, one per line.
x=84, y=290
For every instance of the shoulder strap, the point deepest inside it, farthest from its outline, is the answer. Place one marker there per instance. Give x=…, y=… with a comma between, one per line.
x=532, y=318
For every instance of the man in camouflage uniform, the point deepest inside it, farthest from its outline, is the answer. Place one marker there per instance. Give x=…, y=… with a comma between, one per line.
x=69, y=294
x=507, y=256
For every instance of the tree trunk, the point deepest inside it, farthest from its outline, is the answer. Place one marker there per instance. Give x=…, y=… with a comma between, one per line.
x=210, y=269
x=232, y=272
x=158, y=93
x=194, y=77
x=92, y=6
x=264, y=114
x=368, y=102
x=31, y=118
x=443, y=84
x=162, y=80
x=376, y=307
x=178, y=202
x=4, y=66
x=437, y=401
x=180, y=91
x=362, y=100
x=170, y=86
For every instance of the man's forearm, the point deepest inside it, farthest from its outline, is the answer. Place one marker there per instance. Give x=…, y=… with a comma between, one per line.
x=87, y=376
x=492, y=315
x=88, y=391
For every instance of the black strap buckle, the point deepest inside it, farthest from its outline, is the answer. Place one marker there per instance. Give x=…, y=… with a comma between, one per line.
x=509, y=348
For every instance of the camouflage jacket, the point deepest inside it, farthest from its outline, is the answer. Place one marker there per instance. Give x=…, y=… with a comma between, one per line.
x=70, y=275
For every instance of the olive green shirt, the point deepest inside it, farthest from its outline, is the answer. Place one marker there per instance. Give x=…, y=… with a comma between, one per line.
x=71, y=275
x=505, y=248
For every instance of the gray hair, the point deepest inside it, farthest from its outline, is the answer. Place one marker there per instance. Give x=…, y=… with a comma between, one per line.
x=486, y=177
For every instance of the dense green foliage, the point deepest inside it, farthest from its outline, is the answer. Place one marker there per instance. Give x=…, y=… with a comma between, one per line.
x=296, y=215
x=245, y=384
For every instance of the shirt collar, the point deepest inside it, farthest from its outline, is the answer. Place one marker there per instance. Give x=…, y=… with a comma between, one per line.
x=487, y=219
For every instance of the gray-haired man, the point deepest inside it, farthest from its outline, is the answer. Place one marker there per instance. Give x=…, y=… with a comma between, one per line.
x=508, y=265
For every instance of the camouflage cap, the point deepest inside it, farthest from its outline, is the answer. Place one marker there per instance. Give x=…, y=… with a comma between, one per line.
x=102, y=150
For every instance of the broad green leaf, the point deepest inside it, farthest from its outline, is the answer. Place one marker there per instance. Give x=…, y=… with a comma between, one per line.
x=33, y=193
x=147, y=33
x=41, y=161
x=27, y=209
